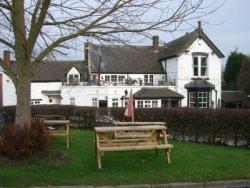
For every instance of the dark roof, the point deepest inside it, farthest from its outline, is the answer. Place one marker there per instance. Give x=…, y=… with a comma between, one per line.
x=157, y=93
x=125, y=59
x=179, y=45
x=51, y=92
x=199, y=84
x=53, y=71
x=233, y=96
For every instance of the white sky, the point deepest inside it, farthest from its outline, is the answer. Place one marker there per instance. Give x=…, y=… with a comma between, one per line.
x=228, y=28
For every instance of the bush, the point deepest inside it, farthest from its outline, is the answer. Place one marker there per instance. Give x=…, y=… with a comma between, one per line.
x=20, y=143
x=223, y=126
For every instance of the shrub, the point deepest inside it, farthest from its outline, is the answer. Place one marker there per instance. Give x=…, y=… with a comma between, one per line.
x=20, y=143
x=222, y=126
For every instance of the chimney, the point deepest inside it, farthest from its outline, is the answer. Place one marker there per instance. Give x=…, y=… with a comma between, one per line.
x=199, y=25
x=156, y=46
x=86, y=53
x=6, y=56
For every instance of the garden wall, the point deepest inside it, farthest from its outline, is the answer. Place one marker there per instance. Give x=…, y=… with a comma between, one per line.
x=221, y=126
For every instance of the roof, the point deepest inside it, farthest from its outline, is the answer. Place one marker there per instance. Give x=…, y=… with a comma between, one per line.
x=199, y=84
x=157, y=93
x=233, y=96
x=51, y=92
x=125, y=59
x=52, y=71
x=179, y=45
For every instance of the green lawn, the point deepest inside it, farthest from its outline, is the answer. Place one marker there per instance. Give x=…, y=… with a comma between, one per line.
x=191, y=162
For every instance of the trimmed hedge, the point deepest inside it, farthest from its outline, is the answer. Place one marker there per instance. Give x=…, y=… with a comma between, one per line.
x=223, y=126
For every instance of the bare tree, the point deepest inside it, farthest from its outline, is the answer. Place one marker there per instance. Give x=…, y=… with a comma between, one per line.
x=35, y=28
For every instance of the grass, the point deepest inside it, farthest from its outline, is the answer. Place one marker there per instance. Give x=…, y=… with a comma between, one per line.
x=191, y=162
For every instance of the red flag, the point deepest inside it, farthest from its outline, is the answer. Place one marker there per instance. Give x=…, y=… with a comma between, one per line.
x=129, y=112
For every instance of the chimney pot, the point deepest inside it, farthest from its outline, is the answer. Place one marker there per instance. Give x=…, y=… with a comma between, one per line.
x=6, y=56
x=156, y=46
x=199, y=24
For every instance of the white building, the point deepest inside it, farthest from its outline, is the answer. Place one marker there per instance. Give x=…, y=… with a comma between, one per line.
x=185, y=72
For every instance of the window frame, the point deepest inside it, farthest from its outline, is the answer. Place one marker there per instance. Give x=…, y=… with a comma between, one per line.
x=155, y=104
x=199, y=65
x=112, y=78
x=115, y=102
x=140, y=103
x=95, y=102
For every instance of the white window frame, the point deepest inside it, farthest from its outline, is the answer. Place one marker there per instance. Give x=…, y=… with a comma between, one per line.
x=115, y=102
x=192, y=103
x=113, y=78
x=107, y=78
x=140, y=104
x=148, y=79
x=199, y=66
x=154, y=103
x=121, y=78
x=72, y=100
x=147, y=104
x=95, y=102
x=202, y=99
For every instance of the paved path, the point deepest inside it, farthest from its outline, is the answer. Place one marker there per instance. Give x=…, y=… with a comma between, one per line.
x=216, y=184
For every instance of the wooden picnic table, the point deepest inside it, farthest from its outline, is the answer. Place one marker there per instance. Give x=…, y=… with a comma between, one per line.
x=62, y=131
x=104, y=142
x=135, y=133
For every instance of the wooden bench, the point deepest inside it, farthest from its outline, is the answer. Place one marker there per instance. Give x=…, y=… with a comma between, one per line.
x=63, y=130
x=135, y=134
x=105, y=140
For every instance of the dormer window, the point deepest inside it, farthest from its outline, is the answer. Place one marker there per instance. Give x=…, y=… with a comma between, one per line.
x=200, y=66
x=73, y=79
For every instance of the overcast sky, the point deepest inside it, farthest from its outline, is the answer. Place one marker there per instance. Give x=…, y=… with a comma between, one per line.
x=228, y=28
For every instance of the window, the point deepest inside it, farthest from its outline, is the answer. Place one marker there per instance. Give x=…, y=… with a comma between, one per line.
x=73, y=79
x=147, y=104
x=72, y=100
x=139, y=104
x=113, y=78
x=121, y=78
x=95, y=102
x=192, y=98
x=107, y=78
x=155, y=104
x=196, y=67
x=148, y=79
x=202, y=99
x=125, y=102
x=145, y=78
x=50, y=100
x=200, y=65
x=114, y=102
x=151, y=79
x=203, y=66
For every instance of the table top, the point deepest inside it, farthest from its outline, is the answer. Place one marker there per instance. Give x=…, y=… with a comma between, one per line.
x=138, y=123
x=56, y=121
x=129, y=128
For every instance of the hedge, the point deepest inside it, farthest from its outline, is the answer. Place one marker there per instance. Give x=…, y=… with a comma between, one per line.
x=221, y=126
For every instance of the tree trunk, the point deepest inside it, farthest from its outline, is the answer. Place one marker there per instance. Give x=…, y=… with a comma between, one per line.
x=23, y=107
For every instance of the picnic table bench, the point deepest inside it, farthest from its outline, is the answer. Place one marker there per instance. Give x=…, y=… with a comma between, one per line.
x=135, y=133
x=105, y=141
x=63, y=130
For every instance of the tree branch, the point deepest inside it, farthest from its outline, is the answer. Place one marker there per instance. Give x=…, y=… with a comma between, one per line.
x=8, y=71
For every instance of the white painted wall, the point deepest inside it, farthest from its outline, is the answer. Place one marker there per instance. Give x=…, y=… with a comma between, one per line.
x=185, y=69
x=38, y=87
x=9, y=91
x=171, y=68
